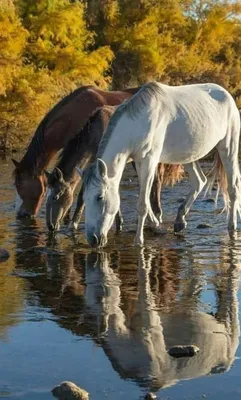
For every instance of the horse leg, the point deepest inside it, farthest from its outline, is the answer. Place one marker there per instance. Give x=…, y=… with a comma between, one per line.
x=197, y=181
x=67, y=217
x=146, y=171
x=155, y=196
x=133, y=165
x=119, y=221
x=79, y=209
x=230, y=164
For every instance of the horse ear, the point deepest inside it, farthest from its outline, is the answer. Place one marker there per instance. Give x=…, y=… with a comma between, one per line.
x=80, y=171
x=16, y=163
x=58, y=174
x=102, y=168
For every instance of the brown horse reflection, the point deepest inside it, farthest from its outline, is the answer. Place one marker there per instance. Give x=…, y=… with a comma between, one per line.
x=60, y=125
x=137, y=304
x=137, y=345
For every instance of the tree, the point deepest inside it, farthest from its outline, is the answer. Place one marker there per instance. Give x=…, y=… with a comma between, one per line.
x=60, y=41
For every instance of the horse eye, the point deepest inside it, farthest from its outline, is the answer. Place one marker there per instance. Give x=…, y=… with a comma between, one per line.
x=100, y=197
x=56, y=197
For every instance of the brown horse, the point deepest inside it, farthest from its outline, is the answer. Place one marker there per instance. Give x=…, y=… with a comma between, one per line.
x=80, y=151
x=60, y=125
x=62, y=182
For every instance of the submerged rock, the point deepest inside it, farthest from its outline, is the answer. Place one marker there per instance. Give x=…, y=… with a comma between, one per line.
x=183, y=351
x=204, y=226
x=180, y=200
x=150, y=396
x=4, y=254
x=210, y=200
x=69, y=391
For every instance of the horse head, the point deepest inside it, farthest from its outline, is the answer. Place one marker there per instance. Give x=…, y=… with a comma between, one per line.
x=102, y=201
x=59, y=199
x=31, y=189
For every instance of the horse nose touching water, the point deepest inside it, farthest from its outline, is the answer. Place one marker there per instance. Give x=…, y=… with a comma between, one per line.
x=59, y=126
x=81, y=151
x=59, y=199
x=31, y=190
x=157, y=125
x=164, y=124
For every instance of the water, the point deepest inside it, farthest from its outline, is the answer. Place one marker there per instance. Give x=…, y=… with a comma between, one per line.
x=105, y=320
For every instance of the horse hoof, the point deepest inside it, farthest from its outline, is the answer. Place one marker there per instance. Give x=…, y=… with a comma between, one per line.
x=232, y=228
x=119, y=229
x=138, y=242
x=179, y=226
x=159, y=218
x=73, y=225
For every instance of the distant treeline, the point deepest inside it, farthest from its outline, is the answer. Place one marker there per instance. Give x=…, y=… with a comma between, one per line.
x=50, y=47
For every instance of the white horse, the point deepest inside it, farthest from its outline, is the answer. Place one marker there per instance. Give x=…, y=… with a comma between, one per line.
x=167, y=124
x=136, y=341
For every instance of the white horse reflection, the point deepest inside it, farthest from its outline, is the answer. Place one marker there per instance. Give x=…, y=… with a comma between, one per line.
x=137, y=345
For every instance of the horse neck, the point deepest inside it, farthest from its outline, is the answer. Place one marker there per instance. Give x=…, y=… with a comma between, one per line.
x=37, y=163
x=68, y=166
x=116, y=155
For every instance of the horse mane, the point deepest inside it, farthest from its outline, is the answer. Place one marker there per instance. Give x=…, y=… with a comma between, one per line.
x=74, y=144
x=84, y=138
x=89, y=175
x=36, y=146
x=132, y=107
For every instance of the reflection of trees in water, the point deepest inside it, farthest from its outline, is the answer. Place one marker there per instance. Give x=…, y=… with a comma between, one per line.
x=138, y=304
x=12, y=288
x=11, y=301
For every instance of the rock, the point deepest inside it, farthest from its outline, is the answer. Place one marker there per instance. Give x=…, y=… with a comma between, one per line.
x=150, y=396
x=69, y=391
x=204, y=226
x=183, y=351
x=4, y=254
x=209, y=200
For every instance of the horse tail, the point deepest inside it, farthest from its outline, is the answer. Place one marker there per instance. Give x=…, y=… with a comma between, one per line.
x=217, y=179
x=170, y=174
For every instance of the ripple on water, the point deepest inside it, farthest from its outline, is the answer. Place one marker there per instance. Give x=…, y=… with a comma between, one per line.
x=105, y=319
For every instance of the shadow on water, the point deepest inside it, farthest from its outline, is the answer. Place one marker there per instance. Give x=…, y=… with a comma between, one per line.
x=106, y=319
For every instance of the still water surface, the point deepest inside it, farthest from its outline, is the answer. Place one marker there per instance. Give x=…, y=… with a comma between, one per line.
x=105, y=320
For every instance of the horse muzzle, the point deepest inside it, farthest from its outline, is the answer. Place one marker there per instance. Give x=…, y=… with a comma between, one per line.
x=97, y=241
x=53, y=227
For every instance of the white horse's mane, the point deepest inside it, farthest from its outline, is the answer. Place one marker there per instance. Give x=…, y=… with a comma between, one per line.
x=132, y=107
x=89, y=175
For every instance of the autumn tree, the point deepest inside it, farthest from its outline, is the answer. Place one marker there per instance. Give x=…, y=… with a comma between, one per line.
x=48, y=47
x=174, y=41
x=46, y=51
x=60, y=41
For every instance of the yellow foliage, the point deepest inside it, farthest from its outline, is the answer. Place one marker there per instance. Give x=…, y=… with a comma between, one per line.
x=48, y=47
x=12, y=42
